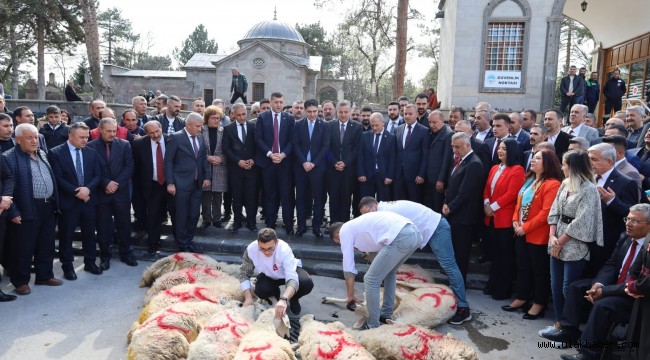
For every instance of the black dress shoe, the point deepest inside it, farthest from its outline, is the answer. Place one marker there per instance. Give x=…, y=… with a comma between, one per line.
x=217, y=224
x=301, y=231
x=252, y=228
x=105, y=264
x=509, y=308
x=206, y=225
x=6, y=297
x=482, y=259
x=567, y=334
x=318, y=234
x=193, y=248
x=234, y=229
x=93, y=269
x=290, y=231
x=225, y=218
x=130, y=260
x=528, y=316
x=69, y=275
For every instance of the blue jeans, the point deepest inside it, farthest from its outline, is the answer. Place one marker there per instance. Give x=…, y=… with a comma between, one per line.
x=563, y=273
x=384, y=268
x=442, y=248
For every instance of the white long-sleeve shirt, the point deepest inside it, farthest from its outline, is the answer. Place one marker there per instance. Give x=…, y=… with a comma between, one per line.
x=425, y=219
x=281, y=265
x=369, y=233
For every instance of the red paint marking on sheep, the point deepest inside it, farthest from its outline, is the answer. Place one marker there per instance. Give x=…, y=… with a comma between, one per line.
x=411, y=329
x=341, y=342
x=190, y=276
x=407, y=275
x=211, y=273
x=330, y=333
x=445, y=292
x=160, y=321
x=232, y=325
x=197, y=293
x=178, y=257
x=431, y=295
x=198, y=256
x=257, y=349
x=425, y=337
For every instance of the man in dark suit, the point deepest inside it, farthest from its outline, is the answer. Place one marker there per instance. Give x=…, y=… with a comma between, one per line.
x=481, y=150
x=483, y=120
x=32, y=211
x=341, y=172
x=149, y=179
x=411, y=160
x=438, y=160
x=54, y=132
x=311, y=142
x=553, y=120
x=394, y=119
x=376, y=160
x=78, y=173
x=6, y=193
x=273, y=132
x=187, y=174
x=239, y=146
x=95, y=107
x=23, y=115
x=537, y=135
x=617, y=193
x=421, y=106
x=462, y=205
x=572, y=89
x=169, y=120
x=605, y=293
x=116, y=160
x=501, y=131
x=522, y=136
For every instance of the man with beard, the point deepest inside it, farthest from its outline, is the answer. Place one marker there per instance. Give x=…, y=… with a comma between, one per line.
x=328, y=111
x=170, y=120
x=393, y=117
x=356, y=114
x=298, y=110
x=421, y=104
x=456, y=114
x=365, y=119
x=95, y=107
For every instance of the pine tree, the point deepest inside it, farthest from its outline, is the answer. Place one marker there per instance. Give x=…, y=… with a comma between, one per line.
x=197, y=42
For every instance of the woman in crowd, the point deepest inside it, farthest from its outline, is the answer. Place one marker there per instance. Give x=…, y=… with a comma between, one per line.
x=213, y=136
x=499, y=199
x=65, y=116
x=575, y=222
x=530, y=223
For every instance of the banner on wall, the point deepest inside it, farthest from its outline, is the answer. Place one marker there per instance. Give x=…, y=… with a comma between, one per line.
x=502, y=79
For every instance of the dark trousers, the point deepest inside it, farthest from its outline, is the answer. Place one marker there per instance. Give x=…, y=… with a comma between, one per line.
x=462, y=237
x=33, y=238
x=188, y=210
x=139, y=209
x=278, y=189
x=407, y=189
x=591, y=105
x=265, y=287
x=339, y=188
x=374, y=186
x=3, y=228
x=115, y=210
x=237, y=95
x=570, y=101
x=227, y=203
x=533, y=272
x=157, y=203
x=244, y=190
x=310, y=191
x=502, y=268
x=83, y=215
x=612, y=104
x=434, y=199
x=356, y=197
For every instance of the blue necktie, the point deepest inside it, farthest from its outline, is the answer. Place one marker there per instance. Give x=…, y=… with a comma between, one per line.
x=79, y=168
x=311, y=130
x=376, y=149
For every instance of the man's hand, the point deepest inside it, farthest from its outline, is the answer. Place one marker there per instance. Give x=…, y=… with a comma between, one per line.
x=171, y=189
x=308, y=166
x=339, y=166
x=82, y=193
x=606, y=195
x=17, y=220
x=112, y=187
x=6, y=202
x=440, y=186
x=206, y=184
x=214, y=159
x=487, y=209
x=248, y=302
x=419, y=180
x=594, y=294
x=280, y=308
x=636, y=296
x=445, y=210
x=361, y=179
x=388, y=181
x=243, y=164
x=244, y=93
x=136, y=136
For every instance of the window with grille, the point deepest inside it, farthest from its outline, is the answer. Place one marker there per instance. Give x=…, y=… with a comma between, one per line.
x=258, y=91
x=504, y=46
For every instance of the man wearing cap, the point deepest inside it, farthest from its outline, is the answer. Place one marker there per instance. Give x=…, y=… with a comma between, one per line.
x=238, y=87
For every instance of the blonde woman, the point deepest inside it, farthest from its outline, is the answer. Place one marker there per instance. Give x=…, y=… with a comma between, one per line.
x=212, y=196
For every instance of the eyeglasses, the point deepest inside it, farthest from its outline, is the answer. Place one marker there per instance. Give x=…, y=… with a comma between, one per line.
x=267, y=250
x=633, y=221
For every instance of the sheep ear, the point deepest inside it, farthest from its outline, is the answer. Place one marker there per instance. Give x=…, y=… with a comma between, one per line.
x=362, y=321
x=282, y=326
x=390, y=322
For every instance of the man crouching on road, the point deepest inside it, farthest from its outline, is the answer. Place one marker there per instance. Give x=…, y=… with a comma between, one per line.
x=277, y=266
x=394, y=238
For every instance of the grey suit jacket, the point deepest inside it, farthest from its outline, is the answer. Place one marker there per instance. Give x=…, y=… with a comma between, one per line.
x=630, y=171
x=586, y=132
x=181, y=165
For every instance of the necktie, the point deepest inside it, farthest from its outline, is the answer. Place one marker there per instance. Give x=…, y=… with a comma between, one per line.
x=311, y=128
x=408, y=136
x=456, y=163
x=628, y=263
x=160, y=165
x=375, y=146
x=393, y=125
x=276, y=136
x=571, y=132
x=108, y=151
x=243, y=132
x=79, y=169
x=495, y=157
x=196, y=155
x=598, y=177
x=342, y=132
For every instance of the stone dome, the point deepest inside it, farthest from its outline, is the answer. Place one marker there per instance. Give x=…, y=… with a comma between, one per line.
x=273, y=30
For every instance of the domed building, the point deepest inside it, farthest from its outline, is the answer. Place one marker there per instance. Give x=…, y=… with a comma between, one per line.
x=272, y=55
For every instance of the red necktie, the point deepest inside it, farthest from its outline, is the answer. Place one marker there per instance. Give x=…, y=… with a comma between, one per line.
x=628, y=263
x=276, y=140
x=160, y=165
x=456, y=162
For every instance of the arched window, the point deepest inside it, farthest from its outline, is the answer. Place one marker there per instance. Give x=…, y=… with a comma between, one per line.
x=505, y=46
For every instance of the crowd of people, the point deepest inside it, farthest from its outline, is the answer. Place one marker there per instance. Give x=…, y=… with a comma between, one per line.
x=551, y=203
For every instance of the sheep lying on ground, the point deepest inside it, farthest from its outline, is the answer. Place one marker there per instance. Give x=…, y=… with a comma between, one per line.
x=168, y=333
x=175, y=262
x=265, y=340
x=319, y=341
x=426, y=305
x=213, y=292
x=186, y=276
x=414, y=274
x=413, y=342
x=222, y=333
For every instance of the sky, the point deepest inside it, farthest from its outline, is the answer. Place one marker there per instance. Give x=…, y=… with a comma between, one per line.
x=169, y=23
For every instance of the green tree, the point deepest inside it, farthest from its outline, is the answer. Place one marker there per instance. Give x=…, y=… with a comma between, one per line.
x=79, y=74
x=117, y=38
x=17, y=40
x=197, y=42
x=320, y=45
x=148, y=62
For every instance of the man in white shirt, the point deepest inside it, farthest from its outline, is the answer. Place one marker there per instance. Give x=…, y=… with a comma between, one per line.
x=576, y=124
x=277, y=266
x=436, y=233
x=394, y=238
